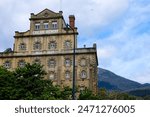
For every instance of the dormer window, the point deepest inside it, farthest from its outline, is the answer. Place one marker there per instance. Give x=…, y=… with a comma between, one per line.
x=54, y=25
x=37, y=26
x=46, y=26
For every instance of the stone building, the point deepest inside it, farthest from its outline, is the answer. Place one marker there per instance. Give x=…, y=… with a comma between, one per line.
x=49, y=41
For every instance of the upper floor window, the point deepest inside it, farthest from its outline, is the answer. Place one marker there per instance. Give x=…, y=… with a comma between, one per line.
x=83, y=74
x=46, y=26
x=7, y=64
x=21, y=63
x=52, y=45
x=37, y=46
x=67, y=62
x=51, y=63
x=54, y=25
x=67, y=44
x=67, y=75
x=22, y=46
x=37, y=61
x=37, y=26
x=83, y=62
x=52, y=76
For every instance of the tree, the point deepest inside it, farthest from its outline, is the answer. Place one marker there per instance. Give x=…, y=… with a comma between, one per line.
x=87, y=95
x=29, y=83
x=6, y=84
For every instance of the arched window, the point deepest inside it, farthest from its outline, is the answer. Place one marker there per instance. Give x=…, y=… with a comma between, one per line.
x=83, y=74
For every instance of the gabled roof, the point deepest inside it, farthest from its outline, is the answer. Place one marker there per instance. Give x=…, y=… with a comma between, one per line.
x=46, y=13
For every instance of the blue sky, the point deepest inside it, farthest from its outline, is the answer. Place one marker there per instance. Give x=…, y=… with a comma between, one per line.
x=121, y=29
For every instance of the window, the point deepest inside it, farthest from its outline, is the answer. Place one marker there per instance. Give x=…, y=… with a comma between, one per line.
x=67, y=62
x=52, y=45
x=46, y=26
x=7, y=64
x=37, y=26
x=67, y=75
x=67, y=44
x=82, y=88
x=54, y=25
x=22, y=46
x=52, y=76
x=83, y=62
x=83, y=74
x=37, y=61
x=51, y=63
x=37, y=46
x=21, y=63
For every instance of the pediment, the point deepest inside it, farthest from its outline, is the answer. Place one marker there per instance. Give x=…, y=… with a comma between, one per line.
x=46, y=13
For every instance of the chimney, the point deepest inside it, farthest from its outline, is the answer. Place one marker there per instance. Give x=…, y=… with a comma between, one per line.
x=72, y=21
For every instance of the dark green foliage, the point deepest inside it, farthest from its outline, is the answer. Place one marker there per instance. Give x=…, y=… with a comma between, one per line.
x=121, y=96
x=28, y=83
x=143, y=92
x=105, y=95
x=87, y=95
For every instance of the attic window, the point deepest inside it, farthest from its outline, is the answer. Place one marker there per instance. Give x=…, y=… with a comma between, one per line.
x=46, y=26
x=37, y=26
x=54, y=25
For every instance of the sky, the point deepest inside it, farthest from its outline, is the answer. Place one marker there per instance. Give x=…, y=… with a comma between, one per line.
x=120, y=28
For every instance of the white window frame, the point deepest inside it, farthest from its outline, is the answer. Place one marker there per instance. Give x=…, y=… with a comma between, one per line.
x=46, y=26
x=37, y=26
x=54, y=25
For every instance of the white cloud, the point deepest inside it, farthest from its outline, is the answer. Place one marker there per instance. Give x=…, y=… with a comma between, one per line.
x=124, y=51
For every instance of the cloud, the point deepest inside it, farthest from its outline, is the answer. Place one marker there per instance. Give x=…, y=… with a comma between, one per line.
x=130, y=38
x=119, y=27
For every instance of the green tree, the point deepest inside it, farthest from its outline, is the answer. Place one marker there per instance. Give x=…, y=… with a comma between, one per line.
x=6, y=84
x=29, y=83
x=87, y=95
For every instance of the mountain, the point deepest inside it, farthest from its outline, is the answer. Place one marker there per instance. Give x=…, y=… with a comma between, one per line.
x=111, y=81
